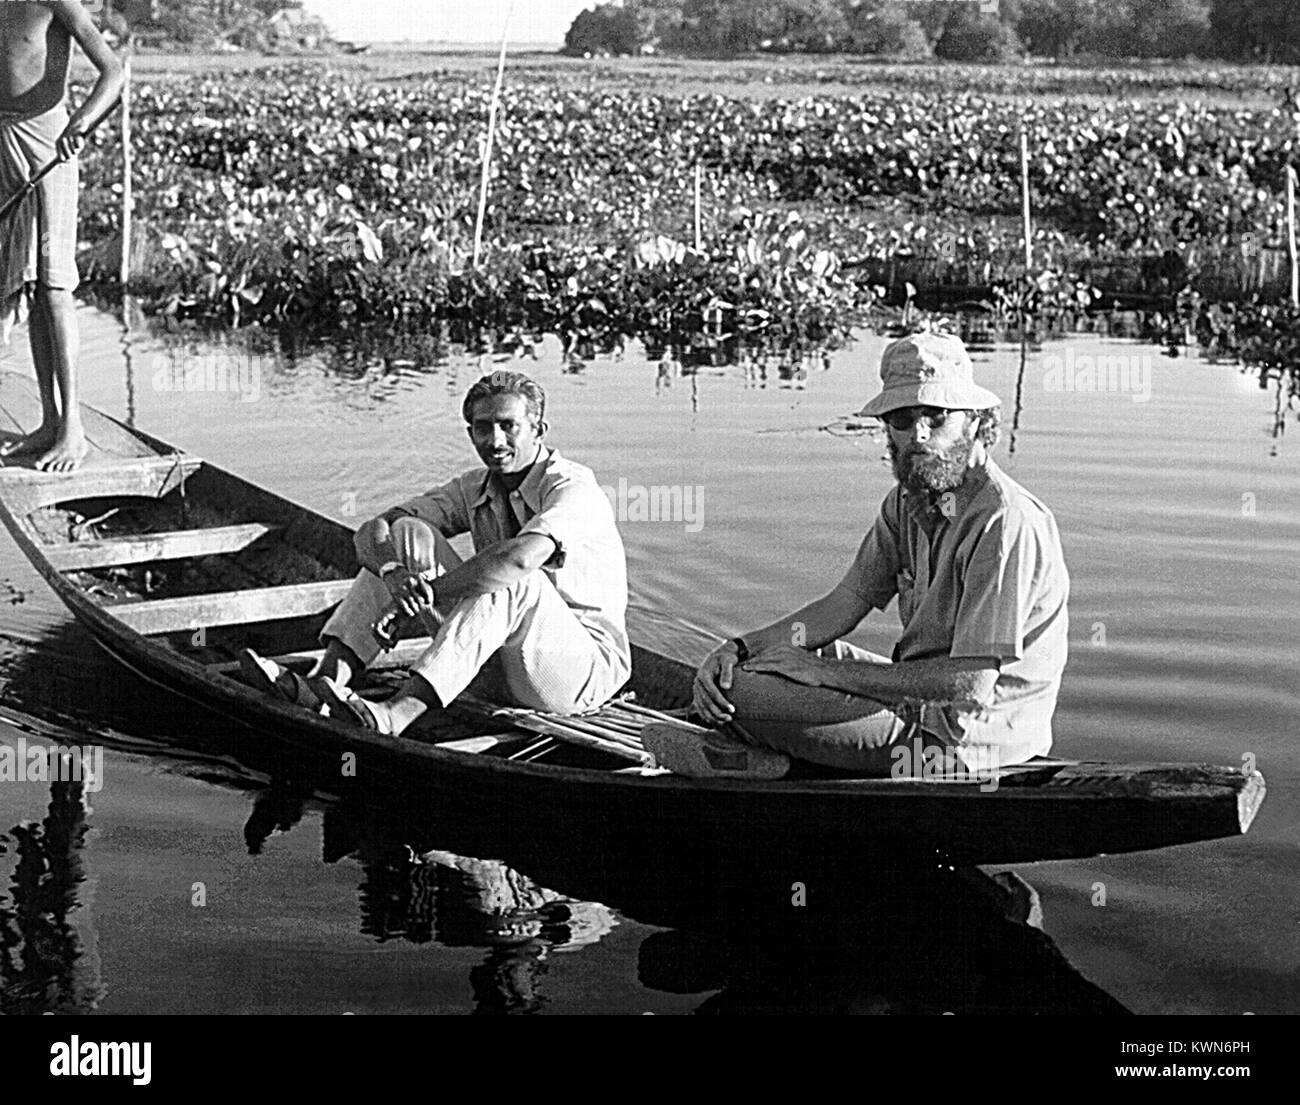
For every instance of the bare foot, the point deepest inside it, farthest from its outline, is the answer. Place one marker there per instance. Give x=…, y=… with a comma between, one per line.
x=67, y=453
x=39, y=441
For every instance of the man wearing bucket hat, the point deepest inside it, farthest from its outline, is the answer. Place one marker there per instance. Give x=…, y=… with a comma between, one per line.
x=976, y=565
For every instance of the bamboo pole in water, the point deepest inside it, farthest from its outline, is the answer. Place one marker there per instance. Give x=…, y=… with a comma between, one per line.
x=487, y=146
x=699, y=180
x=1291, y=235
x=127, y=201
x=1024, y=201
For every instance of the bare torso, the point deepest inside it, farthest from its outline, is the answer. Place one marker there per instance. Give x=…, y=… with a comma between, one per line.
x=35, y=53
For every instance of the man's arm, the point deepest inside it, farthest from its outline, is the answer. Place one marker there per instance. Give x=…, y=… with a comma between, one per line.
x=812, y=626
x=107, y=88
x=869, y=583
x=998, y=595
x=964, y=680
x=501, y=565
x=374, y=540
x=443, y=509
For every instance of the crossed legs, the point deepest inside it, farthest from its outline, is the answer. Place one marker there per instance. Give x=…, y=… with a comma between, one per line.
x=546, y=658
x=818, y=724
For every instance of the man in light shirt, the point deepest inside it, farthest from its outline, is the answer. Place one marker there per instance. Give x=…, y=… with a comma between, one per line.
x=975, y=562
x=542, y=600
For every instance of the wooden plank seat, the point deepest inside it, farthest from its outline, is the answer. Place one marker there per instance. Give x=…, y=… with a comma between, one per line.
x=28, y=489
x=113, y=552
x=401, y=656
x=264, y=604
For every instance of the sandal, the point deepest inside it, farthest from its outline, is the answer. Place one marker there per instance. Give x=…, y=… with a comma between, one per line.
x=344, y=703
x=269, y=677
x=710, y=754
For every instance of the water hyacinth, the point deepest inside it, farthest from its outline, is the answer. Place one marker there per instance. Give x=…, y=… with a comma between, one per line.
x=300, y=198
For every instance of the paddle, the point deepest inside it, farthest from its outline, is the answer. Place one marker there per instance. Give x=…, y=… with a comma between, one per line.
x=28, y=188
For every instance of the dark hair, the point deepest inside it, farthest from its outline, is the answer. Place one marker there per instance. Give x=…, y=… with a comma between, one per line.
x=506, y=383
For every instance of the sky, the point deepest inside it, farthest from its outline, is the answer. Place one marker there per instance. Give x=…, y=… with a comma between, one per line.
x=541, y=21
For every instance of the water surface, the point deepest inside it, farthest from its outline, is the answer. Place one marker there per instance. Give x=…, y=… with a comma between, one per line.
x=1180, y=517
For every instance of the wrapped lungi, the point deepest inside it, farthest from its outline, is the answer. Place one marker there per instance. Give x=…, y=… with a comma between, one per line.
x=38, y=240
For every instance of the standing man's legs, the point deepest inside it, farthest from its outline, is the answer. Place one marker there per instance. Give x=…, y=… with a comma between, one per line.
x=40, y=245
x=56, y=343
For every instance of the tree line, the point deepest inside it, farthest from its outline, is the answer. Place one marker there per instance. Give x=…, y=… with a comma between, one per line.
x=966, y=30
x=197, y=24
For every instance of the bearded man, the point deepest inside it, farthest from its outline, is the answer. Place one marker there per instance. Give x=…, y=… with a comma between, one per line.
x=976, y=565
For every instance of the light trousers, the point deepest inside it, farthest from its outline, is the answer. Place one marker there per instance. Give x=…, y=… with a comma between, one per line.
x=818, y=724
x=538, y=654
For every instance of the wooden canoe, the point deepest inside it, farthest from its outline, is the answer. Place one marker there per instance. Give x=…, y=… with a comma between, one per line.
x=174, y=564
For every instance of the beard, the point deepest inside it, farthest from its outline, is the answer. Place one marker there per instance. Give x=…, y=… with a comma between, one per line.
x=932, y=473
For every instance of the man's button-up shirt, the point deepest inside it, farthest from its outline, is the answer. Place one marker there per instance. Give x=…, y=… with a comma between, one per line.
x=982, y=575
x=557, y=499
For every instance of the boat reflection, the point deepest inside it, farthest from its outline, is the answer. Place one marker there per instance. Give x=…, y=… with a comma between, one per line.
x=745, y=925
x=748, y=924
x=436, y=896
x=768, y=931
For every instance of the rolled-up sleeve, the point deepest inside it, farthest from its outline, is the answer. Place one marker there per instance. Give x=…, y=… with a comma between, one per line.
x=873, y=575
x=445, y=508
x=998, y=589
x=568, y=506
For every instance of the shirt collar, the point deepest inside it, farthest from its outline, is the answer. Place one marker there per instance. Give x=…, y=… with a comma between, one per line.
x=530, y=490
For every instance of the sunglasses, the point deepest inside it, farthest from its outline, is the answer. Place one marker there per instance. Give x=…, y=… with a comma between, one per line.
x=907, y=417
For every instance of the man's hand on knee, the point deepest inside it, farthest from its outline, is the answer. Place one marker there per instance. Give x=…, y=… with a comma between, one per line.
x=411, y=592
x=711, y=681
x=796, y=664
x=396, y=538
x=414, y=544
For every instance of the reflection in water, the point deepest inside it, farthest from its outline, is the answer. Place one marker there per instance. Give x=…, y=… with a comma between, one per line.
x=432, y=895
x=132, y=321
x=43, y=965
x=1020, y=394
x=852, y=938
x=922, y=942
x=752, y=926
